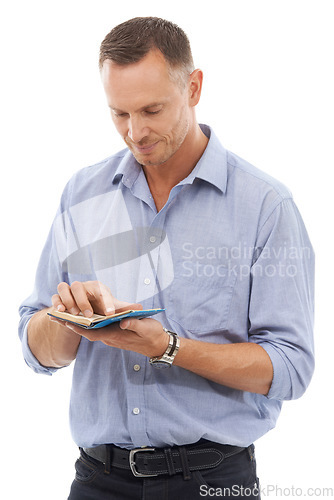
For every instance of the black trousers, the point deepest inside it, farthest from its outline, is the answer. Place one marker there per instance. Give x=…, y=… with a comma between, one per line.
x=235, y=477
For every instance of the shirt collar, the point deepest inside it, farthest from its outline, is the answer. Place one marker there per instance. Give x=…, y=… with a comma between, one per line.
x=211, y=167
x=128, y=169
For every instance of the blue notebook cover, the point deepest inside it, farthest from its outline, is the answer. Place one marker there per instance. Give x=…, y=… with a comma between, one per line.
x=100, y=322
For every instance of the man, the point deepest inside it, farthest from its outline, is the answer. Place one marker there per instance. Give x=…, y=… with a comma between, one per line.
x=175, y=222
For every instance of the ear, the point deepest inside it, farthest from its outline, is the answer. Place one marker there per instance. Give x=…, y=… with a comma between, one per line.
x=195, y=86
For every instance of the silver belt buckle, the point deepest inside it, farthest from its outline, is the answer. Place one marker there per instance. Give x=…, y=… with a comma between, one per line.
x=133, y=462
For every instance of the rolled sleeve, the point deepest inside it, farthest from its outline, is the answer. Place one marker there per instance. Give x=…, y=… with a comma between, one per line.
x=29, y=358
x=281, y=384
x=281, y=304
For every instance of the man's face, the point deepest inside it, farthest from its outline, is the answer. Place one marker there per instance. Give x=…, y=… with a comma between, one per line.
x=150, y=110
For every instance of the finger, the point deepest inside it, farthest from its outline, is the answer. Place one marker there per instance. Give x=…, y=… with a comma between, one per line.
x=57, y=303
x=125, y=306
x=90, y=334
x=108, y=302
x=67, y=299
x=55, y=320
x=75, y=328
x=63, y=324
x=100, y=296
x=104, y=302
x=79, y=294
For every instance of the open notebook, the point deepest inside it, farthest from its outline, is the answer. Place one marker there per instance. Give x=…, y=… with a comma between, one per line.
x=98, y=321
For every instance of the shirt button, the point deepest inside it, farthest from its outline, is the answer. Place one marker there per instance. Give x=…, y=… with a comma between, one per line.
x=136, y=368
x=136, y=411
x=147, y=281
x=153, y=239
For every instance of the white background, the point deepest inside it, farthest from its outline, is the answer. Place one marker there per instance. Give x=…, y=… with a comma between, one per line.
x=268, y=93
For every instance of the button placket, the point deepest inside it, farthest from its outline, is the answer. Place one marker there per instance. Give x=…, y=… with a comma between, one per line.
x=148, y=271
x=136, y=397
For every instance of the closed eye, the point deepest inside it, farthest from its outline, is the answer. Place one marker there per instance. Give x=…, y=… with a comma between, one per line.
x=152, y=112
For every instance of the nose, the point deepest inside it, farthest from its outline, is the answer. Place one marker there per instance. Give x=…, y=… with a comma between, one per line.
x=137, y=129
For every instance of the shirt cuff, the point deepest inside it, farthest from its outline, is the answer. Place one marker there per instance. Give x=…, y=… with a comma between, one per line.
x=280, y=388
x=30, y=359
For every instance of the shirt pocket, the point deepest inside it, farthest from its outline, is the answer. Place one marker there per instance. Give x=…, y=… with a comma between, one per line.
x=201, y=304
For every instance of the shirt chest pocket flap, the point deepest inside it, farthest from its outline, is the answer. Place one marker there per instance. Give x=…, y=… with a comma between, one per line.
x=201, y=301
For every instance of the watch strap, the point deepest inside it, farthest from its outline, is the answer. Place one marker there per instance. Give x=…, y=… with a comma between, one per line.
x=169, y=355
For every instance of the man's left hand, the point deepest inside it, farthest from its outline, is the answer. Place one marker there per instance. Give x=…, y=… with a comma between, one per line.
x=145, y=336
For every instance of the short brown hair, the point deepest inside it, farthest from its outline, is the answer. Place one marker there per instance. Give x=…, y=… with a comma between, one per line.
x=130, y=41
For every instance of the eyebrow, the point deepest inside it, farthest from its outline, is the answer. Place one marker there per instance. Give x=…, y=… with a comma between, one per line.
x=151, y=105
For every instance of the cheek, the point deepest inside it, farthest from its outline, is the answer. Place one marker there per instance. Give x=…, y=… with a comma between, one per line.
x=169, y=127
x=178, y=128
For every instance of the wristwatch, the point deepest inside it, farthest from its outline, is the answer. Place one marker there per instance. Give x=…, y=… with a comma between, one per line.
x=166, y=360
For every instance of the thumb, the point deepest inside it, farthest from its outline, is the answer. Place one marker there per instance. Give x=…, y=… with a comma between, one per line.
x=130, y=324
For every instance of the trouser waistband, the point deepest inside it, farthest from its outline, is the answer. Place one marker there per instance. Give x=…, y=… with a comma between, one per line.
x=149, y=462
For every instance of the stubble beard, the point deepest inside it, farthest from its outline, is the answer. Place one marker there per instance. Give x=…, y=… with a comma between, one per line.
x=179, y=134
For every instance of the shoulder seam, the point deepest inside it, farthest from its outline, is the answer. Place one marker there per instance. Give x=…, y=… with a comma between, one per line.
x=275, y=205
x=272, y=185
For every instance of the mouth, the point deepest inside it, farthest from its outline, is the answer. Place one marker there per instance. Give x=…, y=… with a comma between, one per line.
x=145, y=149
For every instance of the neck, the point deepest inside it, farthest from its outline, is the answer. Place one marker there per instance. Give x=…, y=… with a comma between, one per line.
x=162, y=178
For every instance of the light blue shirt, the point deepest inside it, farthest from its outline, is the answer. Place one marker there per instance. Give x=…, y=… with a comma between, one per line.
x=229, y=259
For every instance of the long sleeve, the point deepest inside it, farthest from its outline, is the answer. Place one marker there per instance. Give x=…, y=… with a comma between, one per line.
x=281, y=301
x=48, y=275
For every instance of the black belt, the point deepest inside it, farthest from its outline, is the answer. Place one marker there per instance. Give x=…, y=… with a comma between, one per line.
x=148, y=462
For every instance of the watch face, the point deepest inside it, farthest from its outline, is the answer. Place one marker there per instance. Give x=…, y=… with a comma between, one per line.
x=161, y=364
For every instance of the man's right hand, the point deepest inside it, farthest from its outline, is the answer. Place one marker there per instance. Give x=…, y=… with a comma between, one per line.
x=88, y=297
x=55, y=345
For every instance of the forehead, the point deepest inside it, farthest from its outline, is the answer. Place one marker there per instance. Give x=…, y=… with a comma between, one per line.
x=133, y=84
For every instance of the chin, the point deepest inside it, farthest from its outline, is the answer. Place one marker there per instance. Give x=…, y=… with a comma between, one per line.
x=149, y=160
